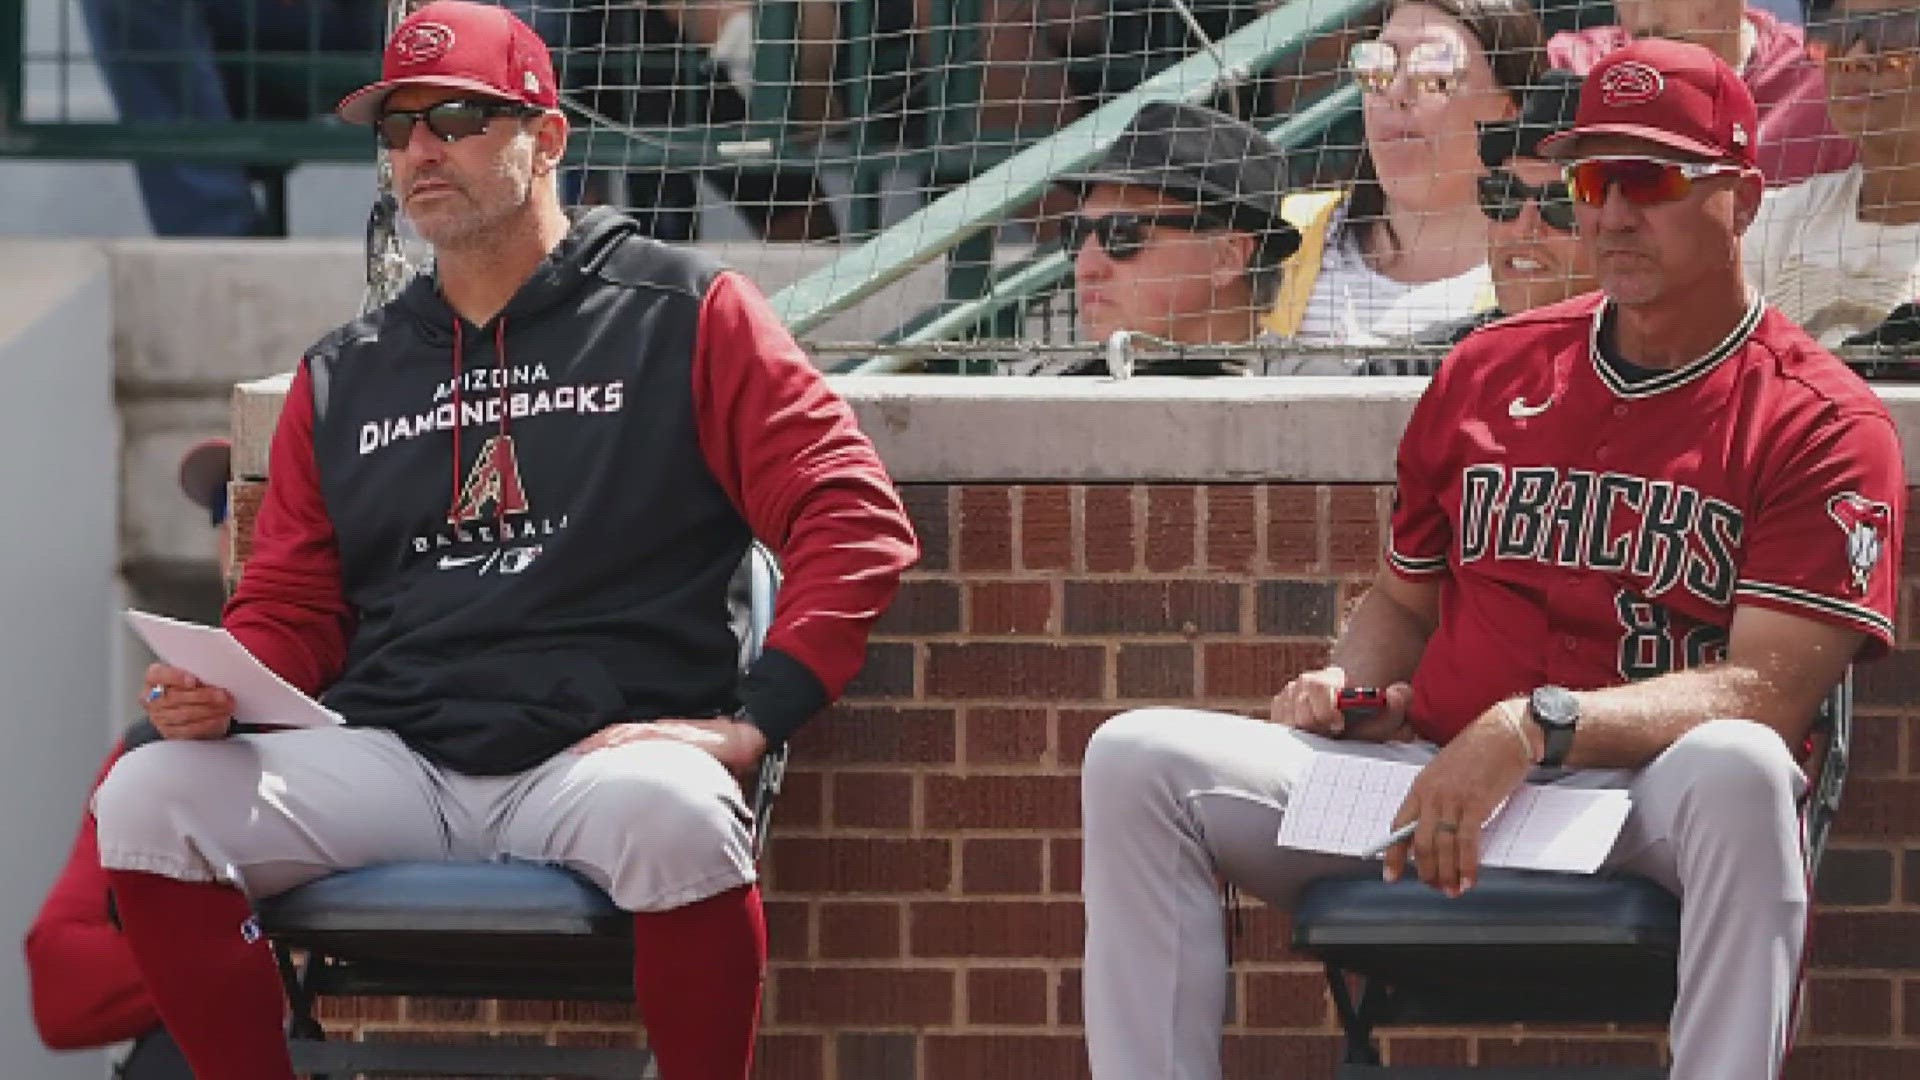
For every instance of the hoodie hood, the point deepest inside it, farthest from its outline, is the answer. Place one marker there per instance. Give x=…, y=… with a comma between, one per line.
x=597, y=232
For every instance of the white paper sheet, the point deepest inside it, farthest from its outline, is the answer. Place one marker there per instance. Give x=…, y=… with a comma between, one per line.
x=1345, y=805
x=216, y=658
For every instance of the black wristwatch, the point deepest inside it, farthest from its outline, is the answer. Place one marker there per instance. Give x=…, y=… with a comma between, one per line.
x=1557, y=712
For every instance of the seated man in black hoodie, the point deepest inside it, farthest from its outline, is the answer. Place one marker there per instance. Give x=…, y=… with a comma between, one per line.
x=502, y=517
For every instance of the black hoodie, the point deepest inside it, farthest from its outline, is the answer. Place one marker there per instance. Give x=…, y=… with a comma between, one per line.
x=497, y=540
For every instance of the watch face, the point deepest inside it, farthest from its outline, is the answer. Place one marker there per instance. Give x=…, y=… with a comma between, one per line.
x=1555, y=706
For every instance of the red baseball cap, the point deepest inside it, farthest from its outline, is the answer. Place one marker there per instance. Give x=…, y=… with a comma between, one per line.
x=1678, y=95
x=465, y=46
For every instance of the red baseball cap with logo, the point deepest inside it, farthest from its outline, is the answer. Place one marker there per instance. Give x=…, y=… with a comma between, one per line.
x=463, y=46
x=1678, y=95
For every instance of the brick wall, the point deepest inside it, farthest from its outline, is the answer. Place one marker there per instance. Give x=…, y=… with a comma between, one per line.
x=923, y=873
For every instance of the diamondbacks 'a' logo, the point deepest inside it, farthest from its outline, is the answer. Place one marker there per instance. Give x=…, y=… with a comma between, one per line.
x=494, y=481
x=423, y=42
x=1630, y=83
x=1865, y=523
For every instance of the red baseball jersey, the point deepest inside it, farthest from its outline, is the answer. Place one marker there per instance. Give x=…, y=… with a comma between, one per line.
x=1588, y=531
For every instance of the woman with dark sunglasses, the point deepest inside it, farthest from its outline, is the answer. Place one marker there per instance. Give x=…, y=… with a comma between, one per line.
x=1403, y=249
x=1838, y=253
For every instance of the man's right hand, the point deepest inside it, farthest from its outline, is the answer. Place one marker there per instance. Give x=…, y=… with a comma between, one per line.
x=1311, y=702
x=186, y=708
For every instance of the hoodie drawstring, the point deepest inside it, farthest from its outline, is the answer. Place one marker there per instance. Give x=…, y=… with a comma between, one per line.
x=453, y=503
x=459, y=416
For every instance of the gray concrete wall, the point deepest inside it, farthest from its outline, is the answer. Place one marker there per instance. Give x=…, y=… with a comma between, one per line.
x=57, y=594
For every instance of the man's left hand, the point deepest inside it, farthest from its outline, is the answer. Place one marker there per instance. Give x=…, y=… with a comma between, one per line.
x=1452, y=799
x=736, y=744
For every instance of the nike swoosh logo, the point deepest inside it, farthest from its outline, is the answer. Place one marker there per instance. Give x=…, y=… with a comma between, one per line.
x=448, y=562
x=1520, y=410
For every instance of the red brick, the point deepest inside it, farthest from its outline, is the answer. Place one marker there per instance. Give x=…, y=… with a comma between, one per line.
x=1263, y=933
x=1002, y=865
x=873, y=800
x=1005, y=736
x=1173, y=521
x=789, y=928
x=1855, y=876
x=922, y=606
x=1910, y=1008
x=1010, y=607
x=1297, y=608
x=1853, y=1062
x=1068, y=997
x=1279, y=1055
x=1152, y=607
x=802, y=805
x=1046, y=528
x=887, y=672
x=1063, y=864
x=1878, y=939
x=1892, y=683
x=1412, y=1050
x=1246, y=671
x=447, y=1011
x=1354, y=514
x=1006, y=996
x=929, y=509
x=1002, y=802
x=878, y=734
x=513, y=1011
x=986, y=528
x=1076, y=726
x=1108, y=532
x=876, y=1055
x=969, y=929
x=348, y=1009
x=788, y=1056
x=1286, y=999
x=863, y=995
x=1293, y=528
x=1879, y=809
x=860, y=865
x=1876, y=746
x=1859, y=1008
x=978, y=1057
x=1155, y=672
x=860, y=930
x=1230, y=527
x=1032, y=672
x=1560, y=1051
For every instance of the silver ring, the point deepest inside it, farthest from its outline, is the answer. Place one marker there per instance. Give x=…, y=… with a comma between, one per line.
x=1447, y=826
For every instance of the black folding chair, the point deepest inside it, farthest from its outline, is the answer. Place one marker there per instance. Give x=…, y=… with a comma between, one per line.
x=1521, y=946
x=480, y=930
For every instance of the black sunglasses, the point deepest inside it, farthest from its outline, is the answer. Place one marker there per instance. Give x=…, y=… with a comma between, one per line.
x=450, y=121
x=1889, y=38
x=1124, y=235
x=1503, y=195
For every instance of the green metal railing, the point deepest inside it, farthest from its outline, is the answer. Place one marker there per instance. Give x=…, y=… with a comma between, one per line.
x=964, y=214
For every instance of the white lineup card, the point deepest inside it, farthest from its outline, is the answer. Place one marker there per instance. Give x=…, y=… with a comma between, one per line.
x=1344, y=805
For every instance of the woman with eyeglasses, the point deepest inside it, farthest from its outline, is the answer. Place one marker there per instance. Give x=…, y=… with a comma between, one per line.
x=1838, y=253
x=1403, y=249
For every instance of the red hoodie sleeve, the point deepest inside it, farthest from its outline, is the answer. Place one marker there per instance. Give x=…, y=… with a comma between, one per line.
x=288, y=609
x=86, y=990
x=787, y=451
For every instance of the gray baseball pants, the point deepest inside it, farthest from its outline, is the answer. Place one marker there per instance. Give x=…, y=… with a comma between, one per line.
x=1172, y=797
x=657, y=824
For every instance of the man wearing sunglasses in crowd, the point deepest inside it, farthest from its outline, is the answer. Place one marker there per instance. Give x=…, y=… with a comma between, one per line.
x=1840, y=253
x=1178, y=235
x=1795, y=139
x=1638, y=536
x=502, y=517
x=1532, y=252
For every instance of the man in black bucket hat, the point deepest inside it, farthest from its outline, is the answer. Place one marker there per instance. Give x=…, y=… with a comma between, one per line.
x=1178, y=234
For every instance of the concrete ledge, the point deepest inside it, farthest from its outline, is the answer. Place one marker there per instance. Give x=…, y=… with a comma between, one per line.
x=976, y=429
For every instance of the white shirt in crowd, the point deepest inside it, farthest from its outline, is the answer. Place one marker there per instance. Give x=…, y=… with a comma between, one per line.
x=1354, y=304
x=1812, y=257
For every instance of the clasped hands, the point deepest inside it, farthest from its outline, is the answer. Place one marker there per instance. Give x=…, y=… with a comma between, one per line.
x=1454, y=795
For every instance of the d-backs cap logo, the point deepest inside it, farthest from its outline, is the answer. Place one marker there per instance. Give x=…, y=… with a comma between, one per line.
x=423, y=43
x=1865, y=523
x=493, y=481
x=1630, y=83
